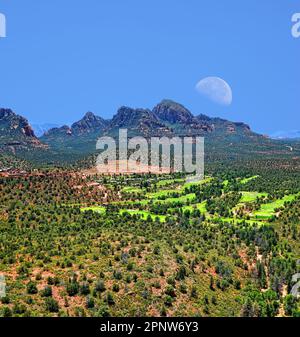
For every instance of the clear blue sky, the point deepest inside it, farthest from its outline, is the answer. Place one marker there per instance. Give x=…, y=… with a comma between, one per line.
x=62, y=58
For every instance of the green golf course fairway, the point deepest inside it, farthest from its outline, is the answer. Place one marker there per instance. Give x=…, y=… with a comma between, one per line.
x=268, y=210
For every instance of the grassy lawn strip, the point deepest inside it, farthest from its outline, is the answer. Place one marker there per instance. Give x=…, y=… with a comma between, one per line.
x=98, y=209
x=201, y=206
x=132, y=189
x=251, y=196
x=246, y=180
x=184, y=198
x=201, y=182
x=248, y=197
x=238, y=221
x=162, y=193
x=169, y=182
x=144, y=214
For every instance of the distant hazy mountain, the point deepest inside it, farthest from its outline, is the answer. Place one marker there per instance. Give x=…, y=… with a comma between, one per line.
x=40, y=129
x=294, y=134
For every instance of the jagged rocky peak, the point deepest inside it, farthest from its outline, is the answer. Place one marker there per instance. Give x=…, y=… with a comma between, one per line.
x=129, y=117
x=89, y=122
x=203, y=118
x=139, y=121
x=88, y=125
x=89, y=116
x=4, y=113
x=173, y=112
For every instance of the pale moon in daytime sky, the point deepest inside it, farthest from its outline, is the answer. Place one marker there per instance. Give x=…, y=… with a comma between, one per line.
x=215, y=89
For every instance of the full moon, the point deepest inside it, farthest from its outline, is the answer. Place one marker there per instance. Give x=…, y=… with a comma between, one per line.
x=215, y=89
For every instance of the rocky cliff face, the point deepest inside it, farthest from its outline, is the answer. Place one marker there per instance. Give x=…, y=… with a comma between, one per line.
x=173, y=113
x=222, y=126
x=180, y=118
x=15, y=131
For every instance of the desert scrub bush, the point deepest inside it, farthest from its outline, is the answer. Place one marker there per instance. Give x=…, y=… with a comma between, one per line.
x=109, y=299
x=100, y=286
x=31, y=288
x=46, y=292
x=72, y=288
x=51, y=305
